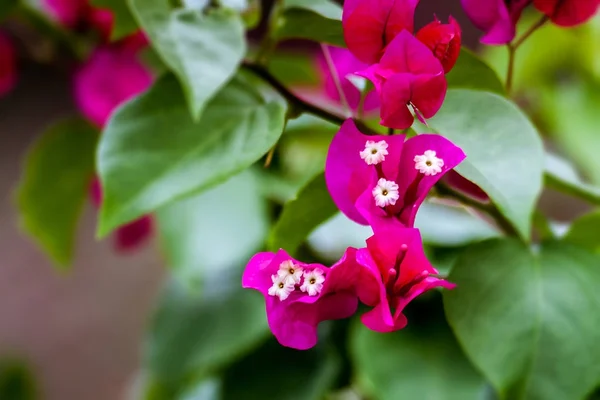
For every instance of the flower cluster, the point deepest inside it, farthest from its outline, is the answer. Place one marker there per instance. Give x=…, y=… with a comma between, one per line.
x=375, y=180
x=110, y=76
x=498, y=18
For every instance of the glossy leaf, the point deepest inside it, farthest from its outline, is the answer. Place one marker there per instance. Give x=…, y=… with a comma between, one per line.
x=202, y=50
x=58, y=170
x=561, y=175
x=277, y=372
x=505, y=155
x=317, y=20
x=301, y=216
x=470, y=72
x=410, y=364
x=446, y=226
x=585, y=231
x=124, y=23
x=152, y=152
x=529, y=322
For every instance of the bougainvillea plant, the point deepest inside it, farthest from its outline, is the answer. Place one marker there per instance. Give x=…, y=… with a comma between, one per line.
x=380, y=187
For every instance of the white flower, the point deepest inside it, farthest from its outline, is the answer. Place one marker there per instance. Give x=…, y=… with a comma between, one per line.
x=313, y=282
x=374, y=152
x=428, y=163
x=281, y=287
x=290, y=272
x=385, y=193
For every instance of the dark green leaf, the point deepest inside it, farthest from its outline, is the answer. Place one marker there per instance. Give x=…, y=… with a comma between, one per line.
x=442, y=225
x=152, y=152
x=505, y=155
x=411, y=364
x=58, y=170
x=16, y=381
x=317, y=20
x=300, y=216
x=470, y=72
x=124, y=23
x=529, y=322
x=585, y=232
x=276, y=372
x=6, y=7
x=561, y=176
x=202, y=50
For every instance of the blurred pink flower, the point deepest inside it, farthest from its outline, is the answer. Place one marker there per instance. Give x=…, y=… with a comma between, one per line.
x=299, y=296
x=397, y=271
x=66, y=12
x=568, y=12
x=346, y=65
x=111, y=76
x=377, y=180
x=8, y=65
x=496, y=18
x=408, y=75
x=130, y=236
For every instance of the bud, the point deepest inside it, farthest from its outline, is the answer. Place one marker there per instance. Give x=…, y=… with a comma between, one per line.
x=443, y=40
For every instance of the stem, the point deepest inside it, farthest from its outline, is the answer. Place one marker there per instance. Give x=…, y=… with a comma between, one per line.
x=512, y=49
x=488, y=208
x=269, y=43
x=336, y=79
x=294, y=100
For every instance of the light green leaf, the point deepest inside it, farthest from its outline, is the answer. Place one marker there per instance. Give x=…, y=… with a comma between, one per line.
x=124, y=23
x=210, y=232
x=58, y=170
x=301, y=216
x=447, y=226
x=561, y=175
x=202, y=50
x=317, y=20
x=505, y=155
x=529, y=322
x=410, y=364
x=470, y=72
x=297, y=375
x=585, y=232
x=152, y=152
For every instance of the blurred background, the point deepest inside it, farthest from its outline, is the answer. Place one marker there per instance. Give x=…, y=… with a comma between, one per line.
x=81, y=333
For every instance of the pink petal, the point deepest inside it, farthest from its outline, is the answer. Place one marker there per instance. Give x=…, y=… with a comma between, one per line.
x=96, y=192
x=258, y=271
x=395, y=95
x=495, y=18
x=134, y=234
x=66, y=12
x=428, y=93
x=8, y=67
x=465, y=186
x=407, y=54
x=347, y=175
x=420, y=288
x=451, y=154
x=110, y=77
x=568, y=12
x=369, y=25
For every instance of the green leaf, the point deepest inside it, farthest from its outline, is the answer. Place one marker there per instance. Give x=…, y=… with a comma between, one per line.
x=55, y=182
x=561, y=176
x=152, y=152
x=505, y=155
x=317, y=20
x=277, y=372
x=585, y=232
x=202, y=50
x=206, y=233
x=529, y=322
x=16, y=381
x=6, y=7
x=442, y=225
x=124, y=23
x=301, y=216
x=470, y=72
x=411, y=364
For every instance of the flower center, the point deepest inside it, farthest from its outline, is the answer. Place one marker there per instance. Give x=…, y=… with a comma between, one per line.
x=312, y=281
x=428, y=163
x=374, y=152
x=385, y=193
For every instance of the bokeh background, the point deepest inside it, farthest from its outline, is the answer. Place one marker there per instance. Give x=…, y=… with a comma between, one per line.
x=81, y=332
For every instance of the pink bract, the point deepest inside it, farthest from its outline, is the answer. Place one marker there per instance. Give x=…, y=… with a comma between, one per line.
x=568, y=12
x=444, y=41
x=398, y=272
x=294, y=320
x=8, y=67
x=496, y=18
x=66, y=12
x=351, y=181
x=110, y=77
x=407, y=75
x=369, y=25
